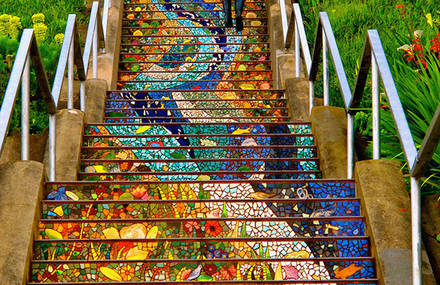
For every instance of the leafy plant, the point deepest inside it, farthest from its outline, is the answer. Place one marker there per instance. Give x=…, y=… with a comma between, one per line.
x=419, y=92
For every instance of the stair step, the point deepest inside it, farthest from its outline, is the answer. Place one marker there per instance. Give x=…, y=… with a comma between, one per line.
x=199, y=152
x=154, y=24
x=190, y=84
x=263, y=46
x=142, y=120
x=134, y=17
x=171, y=272
x=201, y=118
x=181, y=11
x=190, y=176
x=249, y=66
x=214, y=38
x=147, y=53
x=165, y=108
x=243, y=165
x=112, y=139
x=110, y=209
x=112, y=190
x=179, y=5
x=150, y=268
x=138, y=2
x=223, y=282
x=186, y=109
x=163, y=73
x=199, y=76
x=169, y=142
x=182, y=173
x=236, y=96
x=221, y=227
x=211, y=78
x=355, y=246
x=188, y=29
x=295, y=133
x=201, y=141
x=216, y=41
x=146, y=111
x=269, y=129
x=208, y=94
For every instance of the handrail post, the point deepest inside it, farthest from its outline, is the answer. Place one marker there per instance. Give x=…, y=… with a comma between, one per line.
x=95, y=51
x=311, y=96
x=70, y=74
x=375, y=107
x=325, y=69
x=297, y=50
x=82, y=95
x=284, y=23
x=350, y=146
x=105, y=12
x=25, y=98
x=52, y=147
x=416, y=232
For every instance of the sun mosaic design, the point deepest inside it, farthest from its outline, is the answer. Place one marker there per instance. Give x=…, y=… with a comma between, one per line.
x=179, y=124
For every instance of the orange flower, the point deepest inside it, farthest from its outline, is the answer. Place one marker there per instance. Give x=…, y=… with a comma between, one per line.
x=213, y=228
x=127, y=272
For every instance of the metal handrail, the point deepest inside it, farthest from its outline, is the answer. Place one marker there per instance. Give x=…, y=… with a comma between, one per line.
x=27, y=51
x=373, y=57
x=70, y=55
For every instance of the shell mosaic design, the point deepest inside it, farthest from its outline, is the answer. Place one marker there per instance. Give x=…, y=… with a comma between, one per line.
x=197, y=174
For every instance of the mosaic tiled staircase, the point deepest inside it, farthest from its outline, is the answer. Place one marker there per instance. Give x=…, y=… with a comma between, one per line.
x=198, y=175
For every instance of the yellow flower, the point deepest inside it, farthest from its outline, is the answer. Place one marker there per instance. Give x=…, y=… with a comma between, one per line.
x=38, y=18
x=14, y=27
x=429, y=19
x=4, y=25
x=59, y=38
x=138, y=33
x=40, y=30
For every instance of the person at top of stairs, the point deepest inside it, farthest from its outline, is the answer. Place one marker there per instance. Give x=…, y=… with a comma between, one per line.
x=238, y=12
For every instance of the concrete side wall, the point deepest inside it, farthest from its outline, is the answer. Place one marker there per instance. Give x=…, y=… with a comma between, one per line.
x=96, y=90
x=12, y=147
x=387, y=208
x=69, y=139
x=329, y=126
x=20, y=196
x=431, y=228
